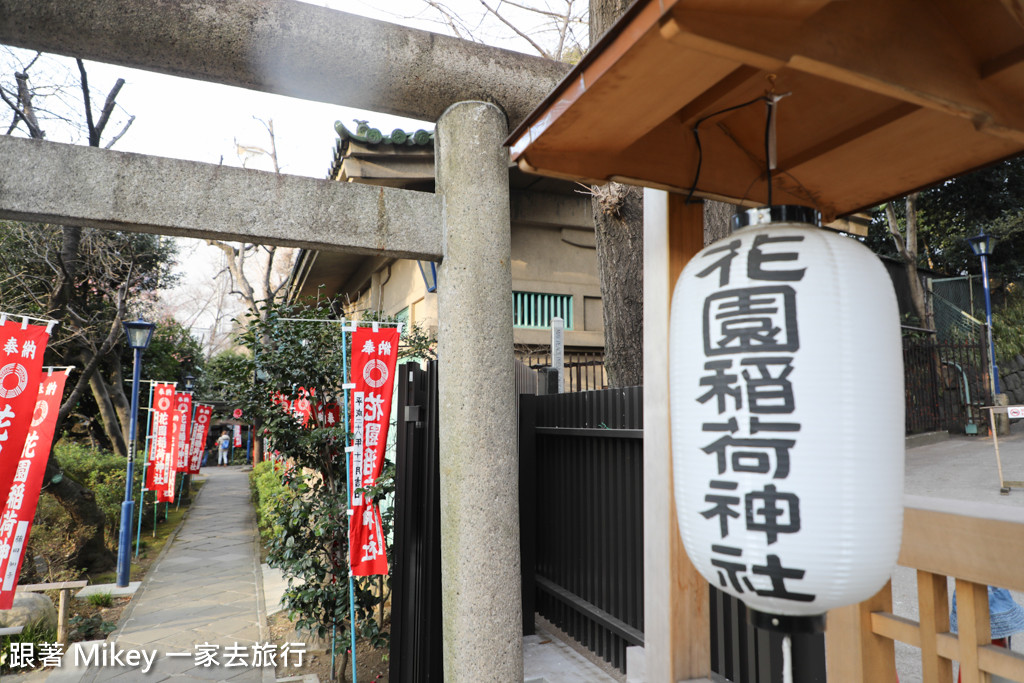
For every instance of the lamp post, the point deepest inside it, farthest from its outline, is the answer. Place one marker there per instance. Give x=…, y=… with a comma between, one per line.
x=190, y=382
x=139, y=333
x=982, y=245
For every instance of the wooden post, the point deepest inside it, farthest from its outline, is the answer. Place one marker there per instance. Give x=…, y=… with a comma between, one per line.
x=62, y=616
x=932, y=599
x=64, y=588
x=676, y=611
x=853, y=652
x=973, y=628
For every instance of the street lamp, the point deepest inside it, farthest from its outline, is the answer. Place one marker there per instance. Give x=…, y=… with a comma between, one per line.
x=190, y=382
x=982, y=245
x=139, y=333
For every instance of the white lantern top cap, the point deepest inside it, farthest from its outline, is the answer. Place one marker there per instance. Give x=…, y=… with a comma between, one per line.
x=783, y=213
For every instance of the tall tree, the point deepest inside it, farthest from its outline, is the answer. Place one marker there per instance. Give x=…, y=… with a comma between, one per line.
x=904, y=235
x=259, y=275
x=619, y=233
x=81, y=277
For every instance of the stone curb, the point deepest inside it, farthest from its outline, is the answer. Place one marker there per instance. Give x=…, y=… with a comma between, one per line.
x=926, y=439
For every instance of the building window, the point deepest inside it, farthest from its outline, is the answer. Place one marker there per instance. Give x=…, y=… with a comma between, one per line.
x=533, y=309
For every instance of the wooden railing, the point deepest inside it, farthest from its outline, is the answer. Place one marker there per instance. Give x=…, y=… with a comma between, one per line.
x=65, y=588
x=978, y=545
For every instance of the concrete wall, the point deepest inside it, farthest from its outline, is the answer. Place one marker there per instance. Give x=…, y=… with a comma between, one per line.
x=545, y=258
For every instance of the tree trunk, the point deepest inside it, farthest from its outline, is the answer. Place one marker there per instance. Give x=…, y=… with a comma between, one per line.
x=80, y=504
x=603, y=14
x=118, y=398
x=717, y=220
x=618, y=231
x=108, y=415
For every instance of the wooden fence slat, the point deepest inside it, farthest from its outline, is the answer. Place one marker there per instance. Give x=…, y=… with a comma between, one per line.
x=972, y=626
x=933, y=599
x=854, y=652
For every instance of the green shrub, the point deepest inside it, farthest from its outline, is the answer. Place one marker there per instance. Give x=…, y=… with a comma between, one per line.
x=1008, y=325
x=269, y=495
x=100, y=599
x=31, y=634
x=100, y=471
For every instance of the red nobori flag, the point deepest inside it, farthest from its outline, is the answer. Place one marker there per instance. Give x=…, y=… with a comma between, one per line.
x=374, y=357
x=164, y=438
x=21, y=364
x=183, y=404
x=16, y=518
x=200, y=430
x=165, y=494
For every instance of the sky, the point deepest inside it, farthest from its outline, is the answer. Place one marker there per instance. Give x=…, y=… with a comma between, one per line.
x=206, y=122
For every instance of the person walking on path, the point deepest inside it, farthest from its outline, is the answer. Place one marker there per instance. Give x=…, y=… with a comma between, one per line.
x=223, y=446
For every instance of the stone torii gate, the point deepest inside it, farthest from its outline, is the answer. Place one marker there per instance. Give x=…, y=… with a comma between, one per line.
x=290, y=48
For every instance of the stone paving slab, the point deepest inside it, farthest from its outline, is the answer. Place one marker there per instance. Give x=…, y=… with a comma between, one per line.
x=204, y=590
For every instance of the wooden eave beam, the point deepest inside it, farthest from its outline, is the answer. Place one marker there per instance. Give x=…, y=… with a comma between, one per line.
x=854, y=43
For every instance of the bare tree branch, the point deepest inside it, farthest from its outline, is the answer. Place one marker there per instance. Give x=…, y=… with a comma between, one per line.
x=108, y=108
x=515, y=29
x=124, y=130
x=83, y=80
x=26, y=110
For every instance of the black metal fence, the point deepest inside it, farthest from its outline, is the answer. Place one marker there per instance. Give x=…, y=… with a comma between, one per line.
x=582, y=515
x=583, y=370
x=584, y=454
x=945, y=384
x=416, y=655
x=581, y=519
x=743, y=653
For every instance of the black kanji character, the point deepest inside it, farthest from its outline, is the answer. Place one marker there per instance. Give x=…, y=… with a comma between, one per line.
x=722, y=505
x=770, y=517
x=752, y=455
x=778, y=575
x=769, y=391
x=732, y=569
x=723, y=264
x=722, y=385
x=757, y=258
x=750, y=320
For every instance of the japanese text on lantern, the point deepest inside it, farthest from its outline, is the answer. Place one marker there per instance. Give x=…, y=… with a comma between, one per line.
x=751, y=339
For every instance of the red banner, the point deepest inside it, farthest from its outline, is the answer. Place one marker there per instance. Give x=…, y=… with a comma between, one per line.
x=238, y=436
x=200, y=430
x=302, y=409
x=374, y=357
x=183, y=404
x=21, y=363
x=20, y=509
x=164, y=444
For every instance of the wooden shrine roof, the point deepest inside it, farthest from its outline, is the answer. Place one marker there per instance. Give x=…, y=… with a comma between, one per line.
x=880, y=98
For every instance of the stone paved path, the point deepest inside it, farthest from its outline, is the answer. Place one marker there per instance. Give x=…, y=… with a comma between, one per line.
x=205, y=590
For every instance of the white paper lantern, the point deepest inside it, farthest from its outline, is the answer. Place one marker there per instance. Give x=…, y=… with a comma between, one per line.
x=787, y=415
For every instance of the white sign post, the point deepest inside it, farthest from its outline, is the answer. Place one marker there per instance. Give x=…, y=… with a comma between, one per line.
x=1012, y=412
x=558, y=351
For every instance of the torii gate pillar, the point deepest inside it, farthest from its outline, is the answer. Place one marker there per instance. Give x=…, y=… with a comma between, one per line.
x=480, y=564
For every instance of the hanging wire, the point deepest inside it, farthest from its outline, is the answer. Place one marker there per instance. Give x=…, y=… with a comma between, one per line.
x=696, y=136
x=49, y=322
x=768, y=165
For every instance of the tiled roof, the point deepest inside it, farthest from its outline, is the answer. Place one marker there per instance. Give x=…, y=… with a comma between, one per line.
x=420, y=141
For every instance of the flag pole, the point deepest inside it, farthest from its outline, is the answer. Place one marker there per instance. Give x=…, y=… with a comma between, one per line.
x=348, y=488
x=145, y=465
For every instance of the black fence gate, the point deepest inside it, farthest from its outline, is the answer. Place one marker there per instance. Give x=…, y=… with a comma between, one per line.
x=581, y=520
x=581, y=514
x=945, y=384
